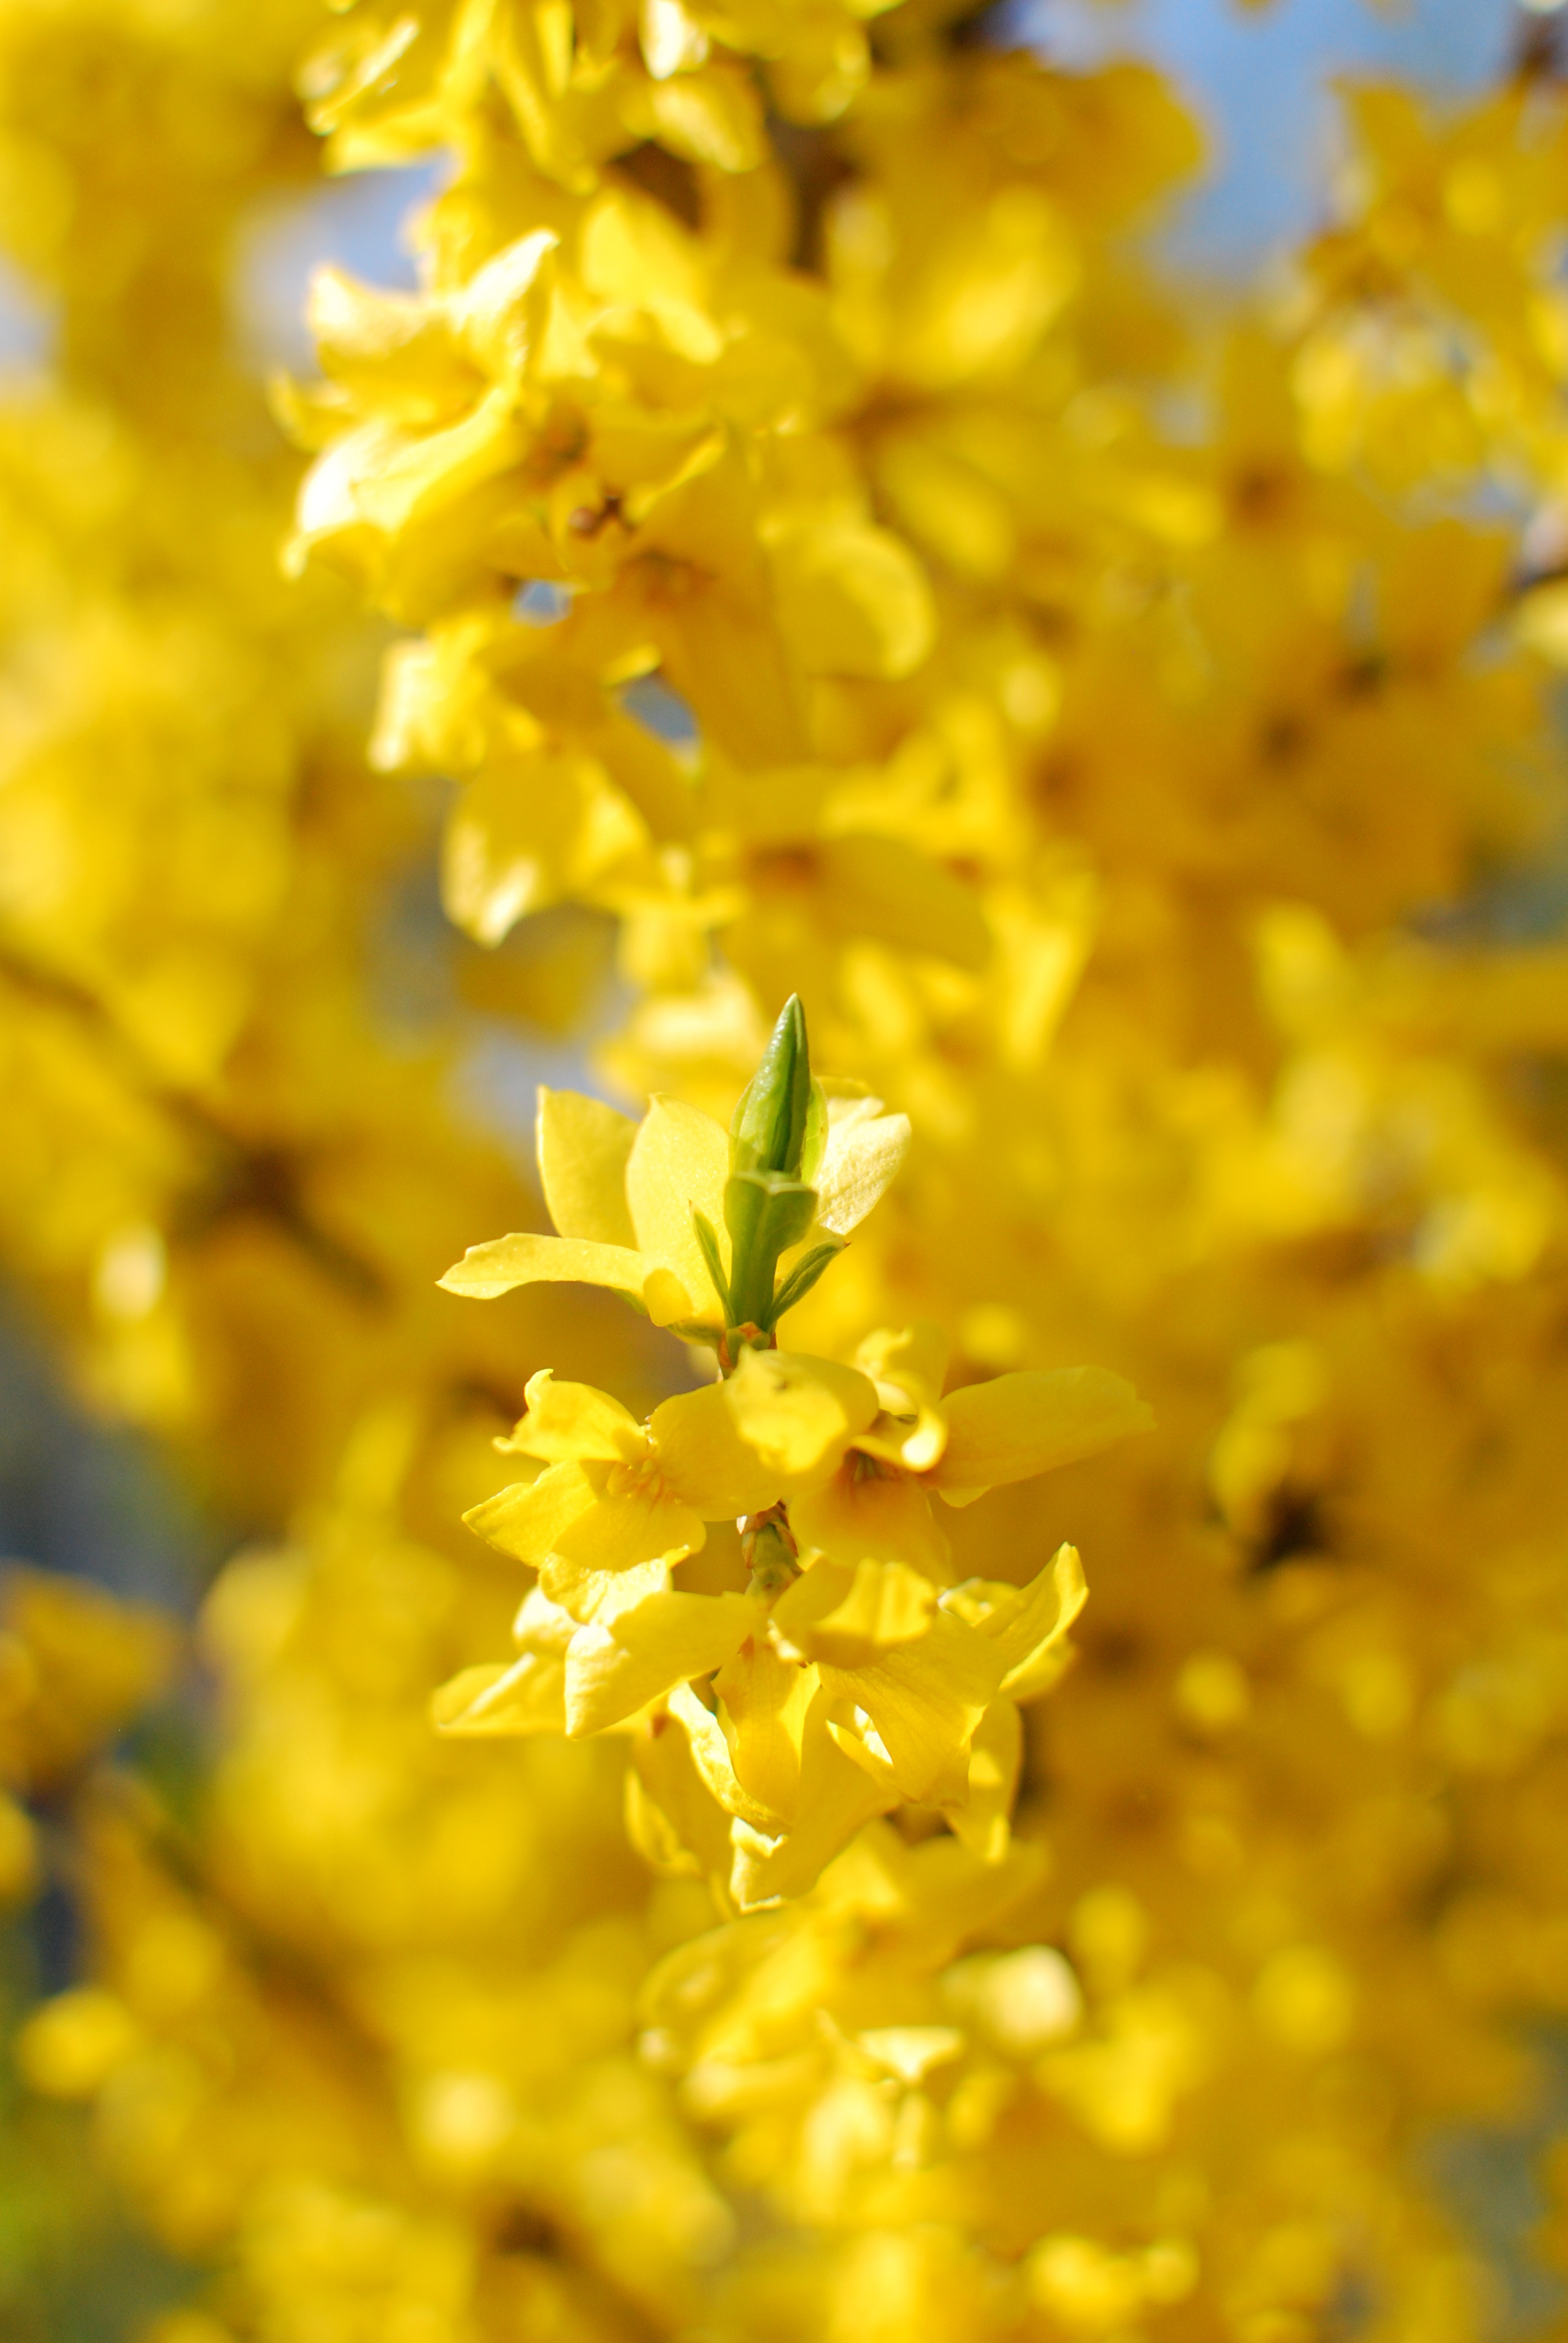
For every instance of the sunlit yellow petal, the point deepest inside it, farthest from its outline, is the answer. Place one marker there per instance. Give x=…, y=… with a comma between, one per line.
x=626, y=1525
x=574, y=1420
x=864, y=1150
x=907, y=1363
x=679, y=1161
x=835, y=1797
x=798, y=1411
x=668, y=1302
x=906, y=1444
x=925, y=1699
x=996, y=1753
x=583, y=1146
x=529, y=1518
x=614, y=1670
x=587, y=1590
x=764, y=1700
x=1028, y=1624
x=853, y=601
x=846, y=1617
x=704, y=1460
x=495, y=1267
x=673, y=1819
x=1021, y=1424
x=710, y=1754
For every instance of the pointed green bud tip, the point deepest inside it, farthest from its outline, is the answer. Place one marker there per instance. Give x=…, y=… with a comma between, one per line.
x=772, y=1122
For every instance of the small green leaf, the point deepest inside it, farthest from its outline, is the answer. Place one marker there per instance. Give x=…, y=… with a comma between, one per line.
x=708, y=1241
x=802, y=1278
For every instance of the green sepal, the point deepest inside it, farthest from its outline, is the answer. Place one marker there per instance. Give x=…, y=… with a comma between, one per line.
x=802, y=1278
x=708, y=1239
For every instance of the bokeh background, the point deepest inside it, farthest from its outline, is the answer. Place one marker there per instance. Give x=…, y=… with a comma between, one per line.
x=81, y=1499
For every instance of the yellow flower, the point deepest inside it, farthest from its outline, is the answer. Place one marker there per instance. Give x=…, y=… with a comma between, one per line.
x=870, y=1498
x=623, y=1195
x=618, y=1497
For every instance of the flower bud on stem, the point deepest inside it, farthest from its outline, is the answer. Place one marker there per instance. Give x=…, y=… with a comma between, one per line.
x=776, y=1142
x=768, y=1545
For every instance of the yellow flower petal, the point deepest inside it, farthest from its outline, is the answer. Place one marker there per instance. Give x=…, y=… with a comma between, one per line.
x=925, y=1699
x=528, y=1518
x=852, y=600
x=704, y=1460
x=527, y=1697
x=583, y=1146
x=864, y=1150
x=672, y=42
x=636, y=256
x=493, y=314
x=906, y=1444
x=910, y=2051
x=585, y=1590
x=710, y=1756
x=541, y=1625
x=835, y=1797
x=1021, y=1424
x=667, y=1301
x=882, y=888
x=679, y=1160
x=574, y=1420
x=798, y=1411
x=495, y=1267
x=614, y=1670
x=907, y=1363
x=846, y=1617
x=764, y=1701
x=626, y=1525
x=367, y=337
x=996, y=1753
x=673, y=1819
x=1028, y=1624
x=712, y=118
x=529, y=829
x=862, y=1514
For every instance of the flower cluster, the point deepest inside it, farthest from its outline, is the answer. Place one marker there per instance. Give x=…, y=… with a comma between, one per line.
x=841, y=1673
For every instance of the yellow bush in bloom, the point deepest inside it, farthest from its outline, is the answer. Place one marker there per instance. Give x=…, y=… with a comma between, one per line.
x=820, y=568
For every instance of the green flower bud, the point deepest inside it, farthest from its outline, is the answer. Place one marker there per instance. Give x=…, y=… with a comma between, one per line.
x=776, y=1141
x=780, y=1108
